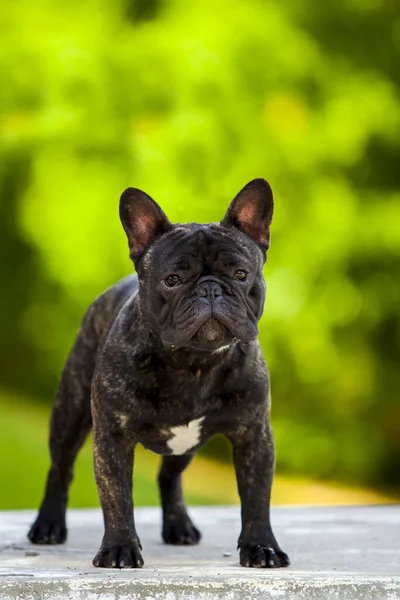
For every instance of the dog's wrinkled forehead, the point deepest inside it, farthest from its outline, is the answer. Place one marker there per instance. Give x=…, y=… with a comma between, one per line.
x=200, y=245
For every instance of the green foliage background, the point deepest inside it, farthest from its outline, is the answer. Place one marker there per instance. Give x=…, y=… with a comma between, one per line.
x=189, y=101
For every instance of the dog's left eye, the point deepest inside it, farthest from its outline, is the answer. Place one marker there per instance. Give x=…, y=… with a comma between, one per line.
x=172, y=280
x=240, y=275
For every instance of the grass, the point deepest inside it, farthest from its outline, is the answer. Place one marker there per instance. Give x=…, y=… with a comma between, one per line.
x=24, y=462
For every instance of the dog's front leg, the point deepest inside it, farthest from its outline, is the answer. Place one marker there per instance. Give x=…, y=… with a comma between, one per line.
x=254, y=459
x=113, y=462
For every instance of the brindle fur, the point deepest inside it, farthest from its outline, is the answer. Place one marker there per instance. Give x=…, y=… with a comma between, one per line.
x=123, y=378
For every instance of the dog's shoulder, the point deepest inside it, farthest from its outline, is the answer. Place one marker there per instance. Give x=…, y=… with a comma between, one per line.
x=102, y=313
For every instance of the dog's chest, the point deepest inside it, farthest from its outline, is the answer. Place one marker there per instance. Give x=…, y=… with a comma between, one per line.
x=184, y=413
x=175, y=439
x=185, y=437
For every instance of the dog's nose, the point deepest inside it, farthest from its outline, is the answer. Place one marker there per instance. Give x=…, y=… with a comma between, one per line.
x=209, y=289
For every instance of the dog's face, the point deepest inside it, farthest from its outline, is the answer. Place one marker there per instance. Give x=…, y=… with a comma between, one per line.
x=201, y=286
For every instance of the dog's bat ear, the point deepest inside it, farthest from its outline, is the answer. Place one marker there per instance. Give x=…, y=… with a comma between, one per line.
x=251, y=211
x=142, y=219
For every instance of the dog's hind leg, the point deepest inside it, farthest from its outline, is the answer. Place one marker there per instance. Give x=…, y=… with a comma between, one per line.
x=70, y=424
x=177, y=525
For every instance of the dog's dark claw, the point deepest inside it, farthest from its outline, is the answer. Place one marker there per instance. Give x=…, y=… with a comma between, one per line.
x=119, y=557
x=180, y=531
x=260, y=556
x=46, y=531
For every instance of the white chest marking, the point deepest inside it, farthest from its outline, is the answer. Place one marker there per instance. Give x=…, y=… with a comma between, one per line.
x=185, y=436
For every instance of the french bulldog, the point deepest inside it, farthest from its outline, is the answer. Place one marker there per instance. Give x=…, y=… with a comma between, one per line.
x=167, y=359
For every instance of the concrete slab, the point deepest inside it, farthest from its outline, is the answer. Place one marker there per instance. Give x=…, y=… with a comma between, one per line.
x=336, y=553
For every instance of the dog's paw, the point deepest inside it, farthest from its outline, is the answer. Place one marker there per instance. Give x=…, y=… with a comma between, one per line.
x=48, y=531
x=180, y=530
x=126, y=556
x=263, y=557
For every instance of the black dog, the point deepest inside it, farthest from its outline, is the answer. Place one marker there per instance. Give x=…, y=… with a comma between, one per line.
x=168, y=359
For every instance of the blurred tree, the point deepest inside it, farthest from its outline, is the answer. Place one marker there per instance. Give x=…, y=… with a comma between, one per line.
x=189, y=102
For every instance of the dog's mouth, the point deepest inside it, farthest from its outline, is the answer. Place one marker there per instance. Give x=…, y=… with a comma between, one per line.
x=212, y=332
x=211, y=335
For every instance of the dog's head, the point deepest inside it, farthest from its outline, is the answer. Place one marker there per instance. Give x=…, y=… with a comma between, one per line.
x=201, y=286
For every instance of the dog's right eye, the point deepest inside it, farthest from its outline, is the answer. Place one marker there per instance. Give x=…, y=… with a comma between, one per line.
x=172, y=280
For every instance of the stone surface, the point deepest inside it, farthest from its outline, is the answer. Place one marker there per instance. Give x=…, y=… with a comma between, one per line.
x=336, y=553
